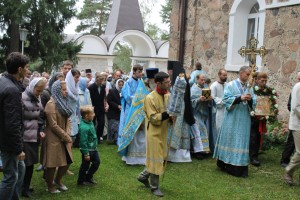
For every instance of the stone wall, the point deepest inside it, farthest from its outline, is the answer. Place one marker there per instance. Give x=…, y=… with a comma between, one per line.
x=206, y=34
x=282, y=37
x=206, y=40
x=95, y=64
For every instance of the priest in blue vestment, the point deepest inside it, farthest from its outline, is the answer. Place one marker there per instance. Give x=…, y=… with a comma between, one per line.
x=201, y=111
x=195, y=73
x=232, y=146
x=128, y=92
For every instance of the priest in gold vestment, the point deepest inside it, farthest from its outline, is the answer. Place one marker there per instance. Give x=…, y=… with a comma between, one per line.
x=157, y=119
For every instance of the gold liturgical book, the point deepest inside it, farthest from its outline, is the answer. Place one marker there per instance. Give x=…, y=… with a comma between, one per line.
x=206, y=93
x=263, y=106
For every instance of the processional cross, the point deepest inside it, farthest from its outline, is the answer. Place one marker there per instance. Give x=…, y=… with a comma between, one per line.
x=253, y=51
x=263, y=102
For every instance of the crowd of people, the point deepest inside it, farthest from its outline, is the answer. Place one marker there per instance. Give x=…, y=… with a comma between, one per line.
x=152, y=117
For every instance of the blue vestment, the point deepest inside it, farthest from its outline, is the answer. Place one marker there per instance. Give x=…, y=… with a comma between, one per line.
x=232, y=146
x=134, y=118
x=194, y=75
x=127, y=93
x=201, y=114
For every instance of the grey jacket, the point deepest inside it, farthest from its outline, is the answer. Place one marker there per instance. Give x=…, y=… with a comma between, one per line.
x=33, y=116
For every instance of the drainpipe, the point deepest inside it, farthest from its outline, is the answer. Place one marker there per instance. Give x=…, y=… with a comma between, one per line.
x=183, y=6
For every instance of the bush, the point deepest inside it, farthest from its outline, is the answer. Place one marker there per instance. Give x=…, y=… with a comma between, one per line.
x=276, y=135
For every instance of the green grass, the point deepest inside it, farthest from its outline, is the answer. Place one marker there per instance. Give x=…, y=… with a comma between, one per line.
x=196, y=180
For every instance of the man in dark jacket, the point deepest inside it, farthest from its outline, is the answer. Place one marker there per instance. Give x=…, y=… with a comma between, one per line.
x=11, y=126
x=98, y=94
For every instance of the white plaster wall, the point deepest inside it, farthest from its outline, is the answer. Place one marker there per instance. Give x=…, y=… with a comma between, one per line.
x=163, y=51
x=92, y=45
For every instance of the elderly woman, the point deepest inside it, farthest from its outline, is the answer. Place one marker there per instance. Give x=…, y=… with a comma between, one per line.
x=33, y=127
x=58, y=140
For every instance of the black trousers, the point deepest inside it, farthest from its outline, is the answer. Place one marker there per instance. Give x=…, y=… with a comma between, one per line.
x=27, y=177
x=254, y=139
x=289, y=149
x=100, y=121
x=88, y=168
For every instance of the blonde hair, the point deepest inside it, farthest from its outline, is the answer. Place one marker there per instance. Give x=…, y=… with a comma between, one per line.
x=84, y=110
x=41, y=82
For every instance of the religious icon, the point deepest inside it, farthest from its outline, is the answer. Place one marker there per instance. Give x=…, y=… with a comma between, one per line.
x=263, y=106
x=206, y=93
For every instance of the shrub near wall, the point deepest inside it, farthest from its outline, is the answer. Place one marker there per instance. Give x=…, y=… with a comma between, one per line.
x=276, y=135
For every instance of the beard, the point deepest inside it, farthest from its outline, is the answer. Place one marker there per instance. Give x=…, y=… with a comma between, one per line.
x=223, y=80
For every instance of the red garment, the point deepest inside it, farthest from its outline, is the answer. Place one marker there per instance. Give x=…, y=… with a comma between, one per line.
x=160, y=91
x=262, y=128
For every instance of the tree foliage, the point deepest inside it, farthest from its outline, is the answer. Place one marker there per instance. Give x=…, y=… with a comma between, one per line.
x=156, y=33
x=122, y=60
x=45, y=20
x=151, y=28
x=165, y=12
x=94, y=16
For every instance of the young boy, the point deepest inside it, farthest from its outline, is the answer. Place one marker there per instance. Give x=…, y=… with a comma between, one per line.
x=88, y=146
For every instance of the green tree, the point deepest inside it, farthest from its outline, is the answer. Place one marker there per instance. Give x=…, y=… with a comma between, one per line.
x=165, y=12
x=94, y=16
x=45, y=20
x=152, y=29
x=122, y=60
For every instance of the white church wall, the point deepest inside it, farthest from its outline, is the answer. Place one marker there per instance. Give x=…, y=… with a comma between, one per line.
x=92, y=45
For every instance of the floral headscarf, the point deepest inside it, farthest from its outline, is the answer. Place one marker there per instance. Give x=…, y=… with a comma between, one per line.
x=54, y=78
x=61, y=101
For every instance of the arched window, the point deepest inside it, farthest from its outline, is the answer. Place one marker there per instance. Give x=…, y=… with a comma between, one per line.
x=253, y=25
x=253, y=22
x=247, y=19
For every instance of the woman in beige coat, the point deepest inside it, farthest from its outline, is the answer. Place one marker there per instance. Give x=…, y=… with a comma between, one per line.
x=58, y=141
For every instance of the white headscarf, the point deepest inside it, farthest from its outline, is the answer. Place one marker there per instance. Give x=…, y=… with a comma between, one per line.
x=71, y=85
x=117, y=84
x=33, y=83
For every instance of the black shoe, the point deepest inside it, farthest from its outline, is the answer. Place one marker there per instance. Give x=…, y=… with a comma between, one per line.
x=26, y=193
x=91, y=181
x=288, y=178
x=255, y=162
x=199, y=156
x=284, y=165
x=83, y=183
x=157, y=192
x=144, y=181
x=31, y=189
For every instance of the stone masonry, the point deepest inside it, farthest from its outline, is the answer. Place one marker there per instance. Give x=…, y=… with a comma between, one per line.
x=206, y=39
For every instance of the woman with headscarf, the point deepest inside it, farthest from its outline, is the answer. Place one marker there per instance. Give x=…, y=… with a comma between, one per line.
x=72, y=80
x=114, y=111
x=33, y=120
x=58, y=141
x=45, y=96
x=84, y=93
